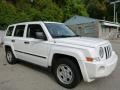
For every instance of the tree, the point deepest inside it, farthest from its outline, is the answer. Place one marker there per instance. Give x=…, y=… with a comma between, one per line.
x=7, y=14
x=101, y=9
x=71, y=7
x=39, y=10
x=97, y=8
x=49, y=11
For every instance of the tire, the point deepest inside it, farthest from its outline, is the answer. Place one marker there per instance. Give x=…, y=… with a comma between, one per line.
x=67, y=73
x=10, y=57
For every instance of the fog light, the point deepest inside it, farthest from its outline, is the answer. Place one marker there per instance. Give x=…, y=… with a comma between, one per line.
x=101, y=69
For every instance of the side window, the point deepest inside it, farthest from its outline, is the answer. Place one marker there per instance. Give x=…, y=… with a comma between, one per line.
x=33, y=29
x=19, y=30
x=10, y=30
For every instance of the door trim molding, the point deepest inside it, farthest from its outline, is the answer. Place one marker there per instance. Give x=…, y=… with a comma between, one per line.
x=31, y=54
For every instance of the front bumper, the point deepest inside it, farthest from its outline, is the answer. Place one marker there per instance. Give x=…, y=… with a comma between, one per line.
x=100, y=69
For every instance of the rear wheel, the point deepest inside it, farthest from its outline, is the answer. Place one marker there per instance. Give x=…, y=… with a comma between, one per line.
x=10, y=56
x=67, y=73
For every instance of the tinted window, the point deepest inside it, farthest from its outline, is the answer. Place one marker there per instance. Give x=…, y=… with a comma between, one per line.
x=10, y=30
x=19, y=30
x=33, y=29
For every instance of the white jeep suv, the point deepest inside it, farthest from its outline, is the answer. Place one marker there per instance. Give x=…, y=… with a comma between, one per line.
x=53, y=45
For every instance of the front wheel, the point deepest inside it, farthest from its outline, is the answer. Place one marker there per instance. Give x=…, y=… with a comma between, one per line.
x=67, y=73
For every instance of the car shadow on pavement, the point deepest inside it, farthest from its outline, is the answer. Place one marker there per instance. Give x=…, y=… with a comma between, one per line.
x=38, y=68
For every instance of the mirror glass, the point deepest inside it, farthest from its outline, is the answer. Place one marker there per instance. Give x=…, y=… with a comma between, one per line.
x=40, y=35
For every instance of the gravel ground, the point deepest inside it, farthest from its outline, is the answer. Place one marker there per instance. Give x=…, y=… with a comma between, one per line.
x=24, y=76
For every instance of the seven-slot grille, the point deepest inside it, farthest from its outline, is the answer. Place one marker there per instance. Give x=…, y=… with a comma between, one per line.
x=108, y=51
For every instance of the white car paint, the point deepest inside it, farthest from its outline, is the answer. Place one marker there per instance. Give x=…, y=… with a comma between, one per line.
x=77, y=47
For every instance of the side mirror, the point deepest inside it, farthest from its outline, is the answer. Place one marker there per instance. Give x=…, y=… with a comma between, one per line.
x=40, y=35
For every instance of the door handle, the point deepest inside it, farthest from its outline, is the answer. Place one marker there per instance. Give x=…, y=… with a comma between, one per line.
x=26, y=42
x=12, y=40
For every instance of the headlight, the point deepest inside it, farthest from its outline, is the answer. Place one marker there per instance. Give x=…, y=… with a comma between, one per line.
x=101, y=52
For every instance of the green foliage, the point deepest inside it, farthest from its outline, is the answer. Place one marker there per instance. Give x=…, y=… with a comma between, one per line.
x=7, y=14
x=101, y=9
x=97, y=8
x=49, y=11
x=71, y=7
x=53, y=10
x=39, y=10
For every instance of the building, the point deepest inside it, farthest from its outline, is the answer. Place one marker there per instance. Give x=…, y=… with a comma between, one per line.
x=90, y=27
x=108, y=30
x=118, y=32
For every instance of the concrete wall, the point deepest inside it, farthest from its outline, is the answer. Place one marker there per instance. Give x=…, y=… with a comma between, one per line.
x=1, y=36
x=95, y=29
x=86, y=30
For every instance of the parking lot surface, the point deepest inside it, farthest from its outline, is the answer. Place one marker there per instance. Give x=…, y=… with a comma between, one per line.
x=24, y=76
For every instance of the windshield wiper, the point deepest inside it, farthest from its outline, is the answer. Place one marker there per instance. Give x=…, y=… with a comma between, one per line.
x=65, y=36
x=62, y=36
x=76, y=36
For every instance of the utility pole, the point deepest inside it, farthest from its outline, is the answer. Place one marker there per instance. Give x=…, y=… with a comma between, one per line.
x=116, y=17
x=114, y=3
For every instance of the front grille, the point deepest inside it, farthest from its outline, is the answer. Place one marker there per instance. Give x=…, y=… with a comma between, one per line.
x=108, y=52
x=101, y=52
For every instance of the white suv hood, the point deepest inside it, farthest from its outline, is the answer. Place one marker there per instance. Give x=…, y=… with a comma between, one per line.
x=82, y=41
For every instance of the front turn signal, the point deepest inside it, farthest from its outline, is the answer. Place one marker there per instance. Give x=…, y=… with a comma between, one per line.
x=89, y=59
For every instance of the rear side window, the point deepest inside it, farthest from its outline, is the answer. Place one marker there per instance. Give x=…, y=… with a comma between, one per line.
x=19, y=30
x=10, y=30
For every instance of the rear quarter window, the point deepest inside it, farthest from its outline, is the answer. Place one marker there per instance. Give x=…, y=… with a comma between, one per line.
x=9, y=31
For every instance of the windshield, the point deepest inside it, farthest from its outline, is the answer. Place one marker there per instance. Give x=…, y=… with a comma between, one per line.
x=59, y=30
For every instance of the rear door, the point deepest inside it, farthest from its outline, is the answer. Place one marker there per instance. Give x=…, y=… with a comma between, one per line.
x=18, y=39
x=8, y=36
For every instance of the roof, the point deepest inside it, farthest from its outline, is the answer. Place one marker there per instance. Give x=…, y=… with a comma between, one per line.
x=34, y=22
x=109, y=23
x=79, y=20
x=83, y=20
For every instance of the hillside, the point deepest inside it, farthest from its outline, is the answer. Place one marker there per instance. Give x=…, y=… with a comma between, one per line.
x=12, y=11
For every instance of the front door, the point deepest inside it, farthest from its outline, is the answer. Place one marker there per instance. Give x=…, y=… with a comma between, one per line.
x=35, y=50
